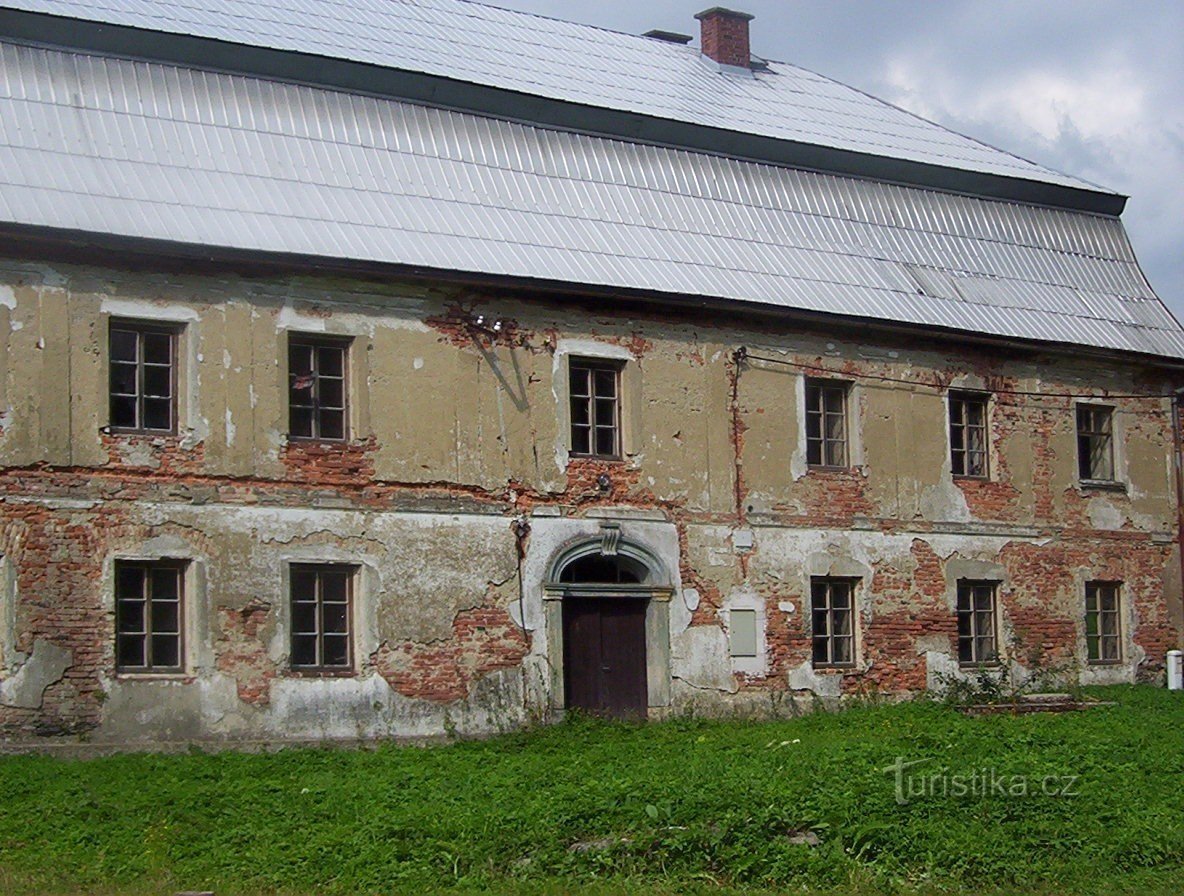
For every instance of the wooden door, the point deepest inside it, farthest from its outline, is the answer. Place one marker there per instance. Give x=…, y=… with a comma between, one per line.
x=604, y=656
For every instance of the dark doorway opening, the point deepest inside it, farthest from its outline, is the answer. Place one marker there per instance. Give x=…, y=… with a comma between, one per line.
x=604, y=649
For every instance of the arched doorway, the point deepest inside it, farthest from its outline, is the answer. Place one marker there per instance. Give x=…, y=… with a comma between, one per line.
x=604, y=643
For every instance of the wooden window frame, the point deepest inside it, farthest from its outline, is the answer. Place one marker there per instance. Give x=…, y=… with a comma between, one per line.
x=819, y=452
x=1095, y=423
x=1095, y=643
x=147, y=630
x=319, y=668
x=592, y=410
x=316, y=408
x=822, y=606
x=977, y=625
x=140, y=329
x=963, y=431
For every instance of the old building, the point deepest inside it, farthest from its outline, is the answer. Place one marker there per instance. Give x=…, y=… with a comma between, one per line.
x=428, y=367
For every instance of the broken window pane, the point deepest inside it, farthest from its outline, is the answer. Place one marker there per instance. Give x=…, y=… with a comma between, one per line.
x=317, y=388
x=968, y=434
x=1095, y=445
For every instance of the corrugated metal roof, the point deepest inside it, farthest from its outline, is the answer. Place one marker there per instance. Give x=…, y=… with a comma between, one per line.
x=147, y=150
x=568, y=62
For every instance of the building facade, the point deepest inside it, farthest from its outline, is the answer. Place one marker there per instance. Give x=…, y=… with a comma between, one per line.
x=473, y=465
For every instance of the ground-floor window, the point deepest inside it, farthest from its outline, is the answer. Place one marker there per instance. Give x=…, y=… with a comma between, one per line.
x=321, y=631
x=832, y=618
x=148, y=613
x=977, y=640
x=1102, y=622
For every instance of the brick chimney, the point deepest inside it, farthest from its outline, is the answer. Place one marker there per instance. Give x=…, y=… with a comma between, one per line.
x=724, y=36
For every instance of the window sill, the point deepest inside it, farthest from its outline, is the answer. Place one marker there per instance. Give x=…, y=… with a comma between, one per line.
x=139, y=433
x=833, y=667
x=602, y=458
x=971, y=667
x=1104, y=664
x=313, y=440
x=965, y=477
x=824, y=468
x=1103, y=485
x=322, y=673
x=126, y=675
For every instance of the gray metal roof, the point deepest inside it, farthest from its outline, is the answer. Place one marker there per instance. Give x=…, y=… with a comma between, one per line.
x=147, y=150
x=573, y=63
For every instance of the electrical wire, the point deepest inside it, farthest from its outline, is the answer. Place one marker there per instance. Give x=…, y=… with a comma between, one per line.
x=742, y=354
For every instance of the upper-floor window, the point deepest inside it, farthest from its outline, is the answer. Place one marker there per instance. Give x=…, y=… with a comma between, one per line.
x=832, y=621
x=317, y=387
x=321, y=596
x=968, y=434
x=595, y=393
x=1102, y=622
x=148, y=604
x=1095, y=442
x=143, y=377
x=977, y=641
x=826, y=423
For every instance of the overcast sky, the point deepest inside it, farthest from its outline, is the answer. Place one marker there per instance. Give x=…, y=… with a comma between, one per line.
x=1090, y=88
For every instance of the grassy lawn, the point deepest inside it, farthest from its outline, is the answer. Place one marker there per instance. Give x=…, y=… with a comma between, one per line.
x=595, y=808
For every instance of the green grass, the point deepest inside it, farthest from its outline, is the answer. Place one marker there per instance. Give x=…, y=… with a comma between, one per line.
x=689, y=806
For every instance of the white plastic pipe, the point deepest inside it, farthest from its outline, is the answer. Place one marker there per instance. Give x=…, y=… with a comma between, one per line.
x=1176, y=670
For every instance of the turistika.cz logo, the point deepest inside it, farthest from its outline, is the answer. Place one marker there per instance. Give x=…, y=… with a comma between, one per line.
x=985, y=782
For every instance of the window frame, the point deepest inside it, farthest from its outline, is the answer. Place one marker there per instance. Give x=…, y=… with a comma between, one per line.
x=973, y=615
x=593, y=366
x=141, y=328
x=1093, y=591
x=961, y=398
x=148, y=634
x=817, y=410
x=827, y=586
x=320, y=669
x=318, y=342
x=1085, y=454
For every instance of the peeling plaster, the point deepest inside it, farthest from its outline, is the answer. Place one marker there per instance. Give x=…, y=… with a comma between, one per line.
x=26, y=687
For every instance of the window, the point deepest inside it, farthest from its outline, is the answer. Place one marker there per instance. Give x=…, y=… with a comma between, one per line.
x=826, y=423
x=977, y=645
x=1102, y=627
x=143, y=377
x=832, y=621
x=148, y=603
x=321, y=597
x=316, y=388
x=595, y=408
x=1095, y=442
x=968, y=434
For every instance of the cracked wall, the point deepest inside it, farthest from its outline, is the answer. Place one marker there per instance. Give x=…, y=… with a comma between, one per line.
x=457, y=428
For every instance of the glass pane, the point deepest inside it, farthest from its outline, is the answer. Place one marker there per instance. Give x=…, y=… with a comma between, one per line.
x=166, y=617
x=841, y=622
x=158, y=381
x=606, y=411
x=129, y=581
x=581, y=439
x=580, y=411
x=965, y=626
x=606, y=383
x=304, y=650
x=836, y=454
x=819, y=620
x=1093, y=647
x=334, y=619
x=122, y=345
x=331, y=361
x=820, y=650
x=840, y=596
x=332, y=425
x=965, y=648
x=982, y=600
x=166, y=650
x=165, y=584
x=158, y=413
x=304, y=618
x=835, y=426
x=158, y=348
x=1110, y=648
x=300, y=422
x=332, y=393
x=336, y=649
x=123, y=379
x=833, y=399
x=1109, y=624
x=335, y=586
x=130, y=650
x=303, y=583
x=842, y=648
x=299, y=361
x=129, y=616
x=581, y=381
x=606, y=441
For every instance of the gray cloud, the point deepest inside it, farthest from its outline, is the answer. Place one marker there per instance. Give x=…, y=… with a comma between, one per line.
x=1091, y=88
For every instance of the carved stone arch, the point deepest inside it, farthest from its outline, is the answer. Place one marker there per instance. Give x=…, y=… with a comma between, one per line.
x=644, y=565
